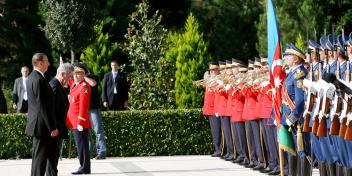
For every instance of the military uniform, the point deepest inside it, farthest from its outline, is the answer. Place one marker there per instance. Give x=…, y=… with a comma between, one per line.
x=292, y=109
x=208, y=110
x=78, y=120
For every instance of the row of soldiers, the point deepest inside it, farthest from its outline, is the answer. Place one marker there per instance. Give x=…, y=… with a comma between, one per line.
x=316, y=110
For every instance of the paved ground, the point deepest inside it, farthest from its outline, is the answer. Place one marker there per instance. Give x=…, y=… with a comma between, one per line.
x=141, y=166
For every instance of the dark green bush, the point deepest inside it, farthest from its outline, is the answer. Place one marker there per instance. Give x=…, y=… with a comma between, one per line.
x=129, y=133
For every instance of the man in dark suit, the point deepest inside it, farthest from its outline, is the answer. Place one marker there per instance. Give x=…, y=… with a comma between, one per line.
x=115, y=89
x=61, y=107
x=19, y=93
x=41, y=123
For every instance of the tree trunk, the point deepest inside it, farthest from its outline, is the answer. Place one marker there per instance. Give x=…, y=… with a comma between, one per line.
x=72, y=56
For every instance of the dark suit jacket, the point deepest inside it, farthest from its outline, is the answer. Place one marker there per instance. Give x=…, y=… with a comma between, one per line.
x=61, y=105
x=41, y=120
x=17, y=93
x=122, y=87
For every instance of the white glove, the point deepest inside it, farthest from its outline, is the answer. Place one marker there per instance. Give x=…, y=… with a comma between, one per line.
x=220, y=82
x=288, y=122
x=227, y=87
x=275, y=123
x=217, y=114
x=79, y=127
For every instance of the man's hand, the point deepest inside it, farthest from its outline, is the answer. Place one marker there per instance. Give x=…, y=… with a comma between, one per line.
x=288, y=122
x=54, y=133
x=14, y=106
x=105, y=104
x=79, y=127
x=125, y=104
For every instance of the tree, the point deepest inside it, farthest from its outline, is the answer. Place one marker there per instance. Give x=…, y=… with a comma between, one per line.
x=146, y=38
x=69, y=24
x=229, y=26
x=20, y=36
x=189, y=51
x=98, y=55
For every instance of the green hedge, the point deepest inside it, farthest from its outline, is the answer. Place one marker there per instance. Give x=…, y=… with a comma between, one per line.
x=129, y=133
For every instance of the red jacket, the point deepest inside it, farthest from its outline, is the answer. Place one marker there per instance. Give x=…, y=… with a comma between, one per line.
x=209, y=99
x=79, y=99
x=238, y=106
x=222, y=103
x=250, y=104
x=266, y=103
x=230, y=102
x=258, y=106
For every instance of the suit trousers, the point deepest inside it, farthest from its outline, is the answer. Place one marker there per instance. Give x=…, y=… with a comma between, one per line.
x=271, y=145
x=82, y=143
x=215, y=126
x=52, y=162
x=226, y=126
x=239, y=135
x=43, y=150
x=254, y=142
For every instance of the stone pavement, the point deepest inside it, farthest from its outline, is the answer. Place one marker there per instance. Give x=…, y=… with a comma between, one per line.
x=141, y=166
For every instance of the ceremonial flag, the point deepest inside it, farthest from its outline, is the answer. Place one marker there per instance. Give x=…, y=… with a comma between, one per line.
x=277, y=76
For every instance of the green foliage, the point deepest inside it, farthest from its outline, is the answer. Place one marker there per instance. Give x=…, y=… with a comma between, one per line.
x=68, y=24
x=301, y=43
x=189, y=51
x=151, y=86
x=309, y=18
x=98, y=55
x=129, y=133
x=20, y=36
x=229, y=27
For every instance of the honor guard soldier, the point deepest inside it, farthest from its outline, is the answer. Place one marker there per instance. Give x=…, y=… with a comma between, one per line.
x=208, y=108
x=251, y=122
x=225, y=118
x=317, y=54
x=268, y=128
x=238, y=125
x=78, y=117
x=293, y=105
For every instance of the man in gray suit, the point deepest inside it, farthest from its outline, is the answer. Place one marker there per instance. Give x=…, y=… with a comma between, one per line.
x=19, y=93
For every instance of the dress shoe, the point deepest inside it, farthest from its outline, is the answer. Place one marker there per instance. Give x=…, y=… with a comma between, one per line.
x=266, y=170
x=225, y=156
x=79, y=173
x=259, y=167
x=215, y=155
x=238, y=160
x=250, y=165
x=275, y=171
x=229, y=158
x=245, y=162
x=100, y=157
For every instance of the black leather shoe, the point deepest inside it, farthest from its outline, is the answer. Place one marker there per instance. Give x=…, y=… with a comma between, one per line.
x=215, y=155
x=274, y=172
x=229, y=158
x=99, y=157
x=225, y=156
x=266, y=170
x=250, y=165
x=244, y=163
x=259, y=167
x=79, y=173
x=238, y=160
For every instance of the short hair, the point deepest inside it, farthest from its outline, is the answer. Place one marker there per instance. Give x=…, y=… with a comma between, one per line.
x=114, y=61
x=25, y=67
x=66, y=68
x=37, y=57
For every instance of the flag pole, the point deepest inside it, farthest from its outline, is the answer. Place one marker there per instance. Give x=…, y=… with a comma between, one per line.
x=281, y=156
